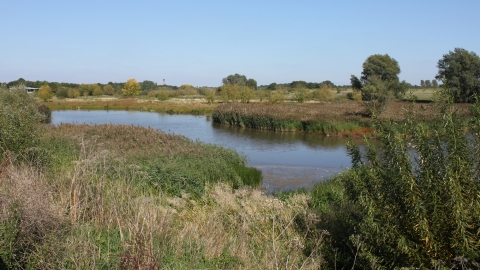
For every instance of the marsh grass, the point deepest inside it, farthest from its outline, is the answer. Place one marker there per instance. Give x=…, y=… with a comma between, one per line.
x=97, y=207
x=332, y=118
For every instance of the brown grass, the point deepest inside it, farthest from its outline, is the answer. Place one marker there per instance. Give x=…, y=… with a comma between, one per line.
x=338, y=111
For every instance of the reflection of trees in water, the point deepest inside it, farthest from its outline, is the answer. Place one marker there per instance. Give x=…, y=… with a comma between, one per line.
x=273, y=138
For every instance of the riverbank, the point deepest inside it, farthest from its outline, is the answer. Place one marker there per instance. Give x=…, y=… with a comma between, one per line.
x=124, y=197
x=332, y=118
x=193, y=106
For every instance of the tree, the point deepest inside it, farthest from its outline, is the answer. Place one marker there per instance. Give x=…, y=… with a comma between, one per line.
x=460, y=71
x=428, y=84
x=235, y=79
x=131, y=88
x=149, y=86
x=45, y=92
x=108, y=90
x=434, y=83
x=382, y=66
x=252, y=84
x=272, y=86
x=379, y=78
x=422, y=83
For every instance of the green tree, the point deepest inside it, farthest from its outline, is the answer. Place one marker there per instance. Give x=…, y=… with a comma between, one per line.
x=96, y=90
x=379, y=78
x=131, y=88
x=428, y=84
x=422, y=83
x=252, y=84
x=460, y=71
x=272, y=86
x=235, y=79
x=45, y=92
x=148, y=86
x=108, y=90
x=246, y=94
x=434, y=84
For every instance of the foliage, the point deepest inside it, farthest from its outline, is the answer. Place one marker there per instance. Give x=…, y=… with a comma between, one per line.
x=148, y=86
x=246, y=94
x=108, y=90
x=235, y=79
x=162, y=95
x=131, y=88
x=272, y=86
x=45, y=93
x=379, y=71
x=97, y=90
x=251, y=83
x=277, y=96
x=417, y=194
x=461, y=71
x=19, y=121
x=230, y=92
x=210, y=96
x=300, y=95
x=73, y=93
x=324, y=93
x=62, y=93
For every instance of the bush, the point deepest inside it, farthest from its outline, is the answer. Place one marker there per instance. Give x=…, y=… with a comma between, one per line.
x=417, y=195
x=19, y=121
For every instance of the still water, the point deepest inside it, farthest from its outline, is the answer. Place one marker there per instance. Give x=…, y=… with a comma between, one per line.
x=287, y=160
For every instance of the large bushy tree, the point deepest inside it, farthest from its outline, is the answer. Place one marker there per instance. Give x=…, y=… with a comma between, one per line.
x=379, y=81
x=460, y=71
x=131, y=88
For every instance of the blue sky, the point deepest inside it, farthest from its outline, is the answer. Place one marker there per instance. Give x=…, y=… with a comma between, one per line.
x=201, y=42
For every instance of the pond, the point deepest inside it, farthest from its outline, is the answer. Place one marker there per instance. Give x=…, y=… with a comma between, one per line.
x=288, y=160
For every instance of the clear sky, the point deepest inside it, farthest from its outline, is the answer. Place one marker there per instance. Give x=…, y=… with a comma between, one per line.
x=201, y=42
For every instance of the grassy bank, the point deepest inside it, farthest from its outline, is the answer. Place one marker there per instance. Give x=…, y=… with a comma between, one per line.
x=181, y=106
x=335, y=118
x=122, y=197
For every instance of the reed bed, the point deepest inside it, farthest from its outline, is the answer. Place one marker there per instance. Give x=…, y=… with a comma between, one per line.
x=333, y=118
x=95, y=206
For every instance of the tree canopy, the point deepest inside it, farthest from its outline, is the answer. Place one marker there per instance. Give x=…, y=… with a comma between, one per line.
x=45, y=92
x=149, y=85
x=379, y=77
x=131, y=88
x=240, y=80
x=460, y=71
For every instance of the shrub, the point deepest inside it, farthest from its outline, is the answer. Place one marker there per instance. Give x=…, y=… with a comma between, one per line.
x=417, y=194
x=19, y=121
x=62, y=93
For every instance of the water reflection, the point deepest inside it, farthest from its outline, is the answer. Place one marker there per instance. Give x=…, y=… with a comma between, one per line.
x=287, y=159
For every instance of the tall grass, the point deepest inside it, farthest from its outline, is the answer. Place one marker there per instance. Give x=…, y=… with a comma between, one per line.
x=101, y=204
x=335, y=118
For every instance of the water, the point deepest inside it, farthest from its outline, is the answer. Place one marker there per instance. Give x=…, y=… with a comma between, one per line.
x=287, y=160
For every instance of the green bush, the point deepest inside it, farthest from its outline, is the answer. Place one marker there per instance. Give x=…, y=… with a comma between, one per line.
x=417, y=195
x=19, y=121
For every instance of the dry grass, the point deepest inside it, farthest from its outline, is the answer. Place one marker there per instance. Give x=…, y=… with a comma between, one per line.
x=112, y=221
x=336, y=111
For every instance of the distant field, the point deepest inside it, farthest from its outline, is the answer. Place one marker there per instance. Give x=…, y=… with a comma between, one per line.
x=425, y=94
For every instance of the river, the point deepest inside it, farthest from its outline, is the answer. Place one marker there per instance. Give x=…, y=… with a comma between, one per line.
x=287, y=160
